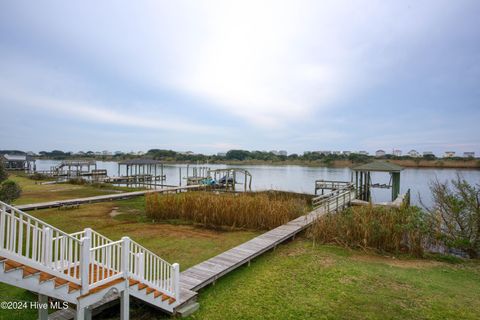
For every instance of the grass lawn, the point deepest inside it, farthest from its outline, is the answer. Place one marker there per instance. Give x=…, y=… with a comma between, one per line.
x=299, y=281
x=33, y=191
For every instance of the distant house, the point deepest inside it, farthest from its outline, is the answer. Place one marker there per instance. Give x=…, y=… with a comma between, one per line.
x=449, y=154
x=19, y=162
x=427, y=153
x=222, y=154
x=347, y=153
x=275, y=152
x=470, y=154
x=413, y=153
x=118, y=153
x=363, y=153
x=380, y=153
x=325, y=153
x=397, y=153
x=282, y=153
x=337, y=153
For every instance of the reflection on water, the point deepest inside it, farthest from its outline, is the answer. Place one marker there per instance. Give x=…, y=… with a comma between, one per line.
x=301, y=179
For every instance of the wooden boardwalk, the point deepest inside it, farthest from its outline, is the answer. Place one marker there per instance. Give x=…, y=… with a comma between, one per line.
x=206, y=272
x=102, y=198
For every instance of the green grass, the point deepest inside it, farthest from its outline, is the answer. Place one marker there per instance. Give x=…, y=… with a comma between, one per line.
x=34, y=191
x=299, y=281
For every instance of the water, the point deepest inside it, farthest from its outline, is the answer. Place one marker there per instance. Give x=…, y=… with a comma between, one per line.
x=302, y=179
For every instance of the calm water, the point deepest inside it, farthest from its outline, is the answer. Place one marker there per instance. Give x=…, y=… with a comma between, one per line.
x=302, y=179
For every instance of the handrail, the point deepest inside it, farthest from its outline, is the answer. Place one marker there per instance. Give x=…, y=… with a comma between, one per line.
x=86, y=257
x=146, y=266
x=30, y=240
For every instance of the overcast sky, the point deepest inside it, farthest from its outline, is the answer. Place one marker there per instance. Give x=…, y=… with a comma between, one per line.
x=210, y=76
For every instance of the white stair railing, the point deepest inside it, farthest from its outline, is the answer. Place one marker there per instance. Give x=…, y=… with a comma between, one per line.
x=33, y=242
x=152, y=270
x=86, y=258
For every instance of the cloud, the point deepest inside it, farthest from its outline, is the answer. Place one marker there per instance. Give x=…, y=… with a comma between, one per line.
x=97, y=113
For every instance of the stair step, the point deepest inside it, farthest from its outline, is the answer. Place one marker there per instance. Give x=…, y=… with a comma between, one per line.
x=156, y=293
x=45, y=276
x=2, y=258
x=12, y=265
x=165, y=297
x=103, y=286
x=132, y=282
x=72, y=287
x=150, y=290
x=60, y=282
x=142, y=286
x=29, y=271
x=171, y=300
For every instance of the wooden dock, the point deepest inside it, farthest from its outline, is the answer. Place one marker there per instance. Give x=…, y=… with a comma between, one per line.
x=102, y=198
x=207, y=272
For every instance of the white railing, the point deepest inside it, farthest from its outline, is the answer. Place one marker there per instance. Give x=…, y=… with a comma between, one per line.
x=85, y=257
x=152, y=270
x=31, y=241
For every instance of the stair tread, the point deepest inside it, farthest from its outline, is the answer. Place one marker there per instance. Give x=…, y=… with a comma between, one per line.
x=156, y=293
x=28, y=271
x=10, y=264
x=103, y=286
x=150, y=290
x=45, y=276
x=142, y=286
x=132, y=282
x=72, y=287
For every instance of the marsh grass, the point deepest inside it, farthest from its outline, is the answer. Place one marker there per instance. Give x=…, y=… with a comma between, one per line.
x=384, y=229
x=254, y=211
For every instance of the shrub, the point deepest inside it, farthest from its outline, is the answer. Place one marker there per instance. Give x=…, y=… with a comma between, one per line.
x=384, y=229
x=455, y=215
x=3, y=171
x=9, y=191
x=248, y=211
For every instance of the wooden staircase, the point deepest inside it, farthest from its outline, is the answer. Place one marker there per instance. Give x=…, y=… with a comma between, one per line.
x=83, y=267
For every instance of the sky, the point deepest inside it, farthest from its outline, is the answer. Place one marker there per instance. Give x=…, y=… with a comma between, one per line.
x=209, y=76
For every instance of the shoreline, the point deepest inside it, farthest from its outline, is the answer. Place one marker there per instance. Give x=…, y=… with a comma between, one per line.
x=406, y=163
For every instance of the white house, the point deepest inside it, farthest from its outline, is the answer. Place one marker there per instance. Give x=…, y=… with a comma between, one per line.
x=469, y=154
x=449, y=154
x=380, y=153
x=347, y=153
x=282, y=153
x=397, y=153
x=363, y=153
x=427, y=153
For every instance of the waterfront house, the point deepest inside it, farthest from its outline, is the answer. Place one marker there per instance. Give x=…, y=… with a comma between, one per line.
x=449, y=154
x=380, y=153
x=19, y=162
x=469, y=154
x=346, y=153
x=427, y=153
x=363, y=153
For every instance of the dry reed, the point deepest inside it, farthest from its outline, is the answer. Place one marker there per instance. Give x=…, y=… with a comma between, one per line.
x=259, y=211
x=383, y=229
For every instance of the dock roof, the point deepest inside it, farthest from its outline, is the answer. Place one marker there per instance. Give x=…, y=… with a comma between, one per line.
x=382, y=166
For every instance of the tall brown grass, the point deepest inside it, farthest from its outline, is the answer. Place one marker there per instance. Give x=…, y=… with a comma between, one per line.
x=259, y=211
x=384, y=229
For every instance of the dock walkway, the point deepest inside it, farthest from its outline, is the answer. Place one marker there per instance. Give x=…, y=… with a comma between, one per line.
x=102, y=198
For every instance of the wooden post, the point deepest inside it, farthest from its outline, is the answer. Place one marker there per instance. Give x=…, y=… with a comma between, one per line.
x=84, y=264
x=47, y=246
x=176, y=280
x=125, y=257
x=42, y=307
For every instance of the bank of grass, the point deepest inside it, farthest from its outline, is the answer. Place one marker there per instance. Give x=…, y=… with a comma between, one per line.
x=394, y=230
x=256, y=211
x=33, y=191
x=302, y=281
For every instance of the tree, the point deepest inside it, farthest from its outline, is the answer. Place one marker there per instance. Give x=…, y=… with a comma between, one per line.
x=3, y=172
x=9, y=191
x=237, y=155
x=455, y=215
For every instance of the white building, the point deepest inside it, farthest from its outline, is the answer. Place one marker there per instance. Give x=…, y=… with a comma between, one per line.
x=469, y=154
x=282, y=153
x=397, y=153
x=347, y=153
x=413, y=153
x=427, y=153
x=449, y=154
x=363, y=153
x=380, y=153
x=222, y=154
x=325, y=153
